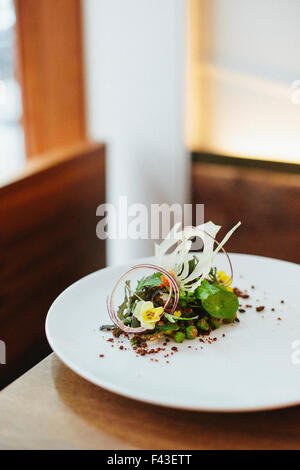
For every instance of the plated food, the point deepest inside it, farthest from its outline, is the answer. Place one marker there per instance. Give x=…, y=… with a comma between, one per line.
x=184, y=297
x=242, y=366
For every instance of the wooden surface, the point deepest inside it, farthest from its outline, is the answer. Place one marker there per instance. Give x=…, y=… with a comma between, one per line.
x=53, y=408
x=51, y=72
x=48, y=241
x=266, y=201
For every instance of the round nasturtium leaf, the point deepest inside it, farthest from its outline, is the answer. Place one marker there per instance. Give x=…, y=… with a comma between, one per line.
x=223, y=304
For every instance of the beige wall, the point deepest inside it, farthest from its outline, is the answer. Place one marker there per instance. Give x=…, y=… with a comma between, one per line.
x=243, y=61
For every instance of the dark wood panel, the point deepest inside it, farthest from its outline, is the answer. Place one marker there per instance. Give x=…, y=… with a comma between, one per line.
x=51, y=72
x=266, y=201
x=48, y=240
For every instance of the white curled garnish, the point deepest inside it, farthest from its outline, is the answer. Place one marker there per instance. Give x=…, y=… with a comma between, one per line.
x=178, y=259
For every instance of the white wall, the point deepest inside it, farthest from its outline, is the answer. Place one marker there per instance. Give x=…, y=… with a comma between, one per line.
x=135, y=85
x=248, y=59
x=256, y=37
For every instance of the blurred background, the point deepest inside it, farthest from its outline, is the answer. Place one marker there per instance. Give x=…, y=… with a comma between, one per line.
x=12, y=151
x=175, y=101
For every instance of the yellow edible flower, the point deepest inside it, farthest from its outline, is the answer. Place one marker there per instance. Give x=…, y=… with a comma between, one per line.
x=177, y=313
x=147, y=315
x=225, y=279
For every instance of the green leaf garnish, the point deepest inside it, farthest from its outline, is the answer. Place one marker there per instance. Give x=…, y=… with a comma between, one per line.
x=126, y=302
x=122, y=308
x=205, y=290
x=171, y=318
x=135, y=323
x=192, y=264
x=171, y=326
x=150, y=281
x=223, y=304
x=214, y=274
x=107, y=327
x=174, y=318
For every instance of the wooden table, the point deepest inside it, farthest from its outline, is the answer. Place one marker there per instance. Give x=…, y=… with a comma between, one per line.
x=50, y=407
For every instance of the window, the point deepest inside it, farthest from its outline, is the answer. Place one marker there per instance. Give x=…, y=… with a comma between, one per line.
x=244, y=79
x=12, y=152
x=48, y=200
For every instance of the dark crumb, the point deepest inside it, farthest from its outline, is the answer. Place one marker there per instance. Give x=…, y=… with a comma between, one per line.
x=167, y=340
x=260, y=309
x=116, y=332
x=237, y=320
x=282, y=301
x=142, y=350
x=223, y=335
x=110, y=340
x=215, y=339
x=279, y=318
x=240, y=294
x=174, y=349
x=168, y=362
x=204, y=333
x=241, y=310
x=121, y=347
x=252, y=287
x=101, y=355
x=248, y=306
x=273, y=309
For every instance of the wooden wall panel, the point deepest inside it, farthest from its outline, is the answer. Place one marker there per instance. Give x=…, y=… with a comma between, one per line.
x=266, y=201
x=48, y=240
x=51, y=68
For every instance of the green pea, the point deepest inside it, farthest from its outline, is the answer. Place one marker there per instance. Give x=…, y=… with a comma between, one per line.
x=179, y=337
x=216, y=323
x=203, y=325
x=191, y=332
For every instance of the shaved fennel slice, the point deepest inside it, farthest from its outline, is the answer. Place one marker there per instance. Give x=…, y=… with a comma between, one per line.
x=178, y=259
x=168, y=262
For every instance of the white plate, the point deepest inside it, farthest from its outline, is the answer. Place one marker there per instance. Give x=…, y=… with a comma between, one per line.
x=254, y=367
